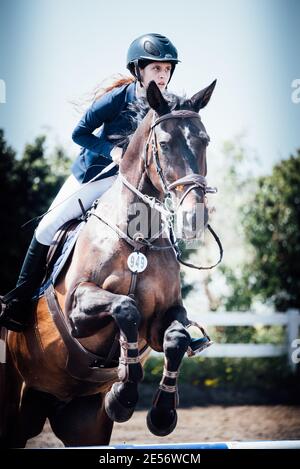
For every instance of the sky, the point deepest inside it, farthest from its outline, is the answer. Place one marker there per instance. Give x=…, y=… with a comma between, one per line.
x=54, y=52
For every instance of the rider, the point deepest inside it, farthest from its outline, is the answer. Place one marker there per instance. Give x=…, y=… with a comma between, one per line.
x=150, y=57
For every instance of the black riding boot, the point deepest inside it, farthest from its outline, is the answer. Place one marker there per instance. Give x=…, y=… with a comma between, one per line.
x=16, y=306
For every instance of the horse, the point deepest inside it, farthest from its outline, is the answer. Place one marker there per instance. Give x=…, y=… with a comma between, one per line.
x=81, y=360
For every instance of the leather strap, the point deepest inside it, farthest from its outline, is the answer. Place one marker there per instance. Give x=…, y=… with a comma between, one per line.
x=180, y=114
x=81, y=363
x=133, y=283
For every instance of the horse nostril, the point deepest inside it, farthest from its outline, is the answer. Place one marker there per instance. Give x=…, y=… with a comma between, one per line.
x=75, y=332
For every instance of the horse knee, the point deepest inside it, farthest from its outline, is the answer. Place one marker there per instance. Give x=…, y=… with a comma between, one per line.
x=125, y=313
x=176, y=333
x=176, y=341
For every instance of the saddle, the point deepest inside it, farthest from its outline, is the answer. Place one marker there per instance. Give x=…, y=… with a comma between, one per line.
x=59, y=252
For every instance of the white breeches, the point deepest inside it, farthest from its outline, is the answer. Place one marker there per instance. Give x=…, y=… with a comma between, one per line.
x=63, y=210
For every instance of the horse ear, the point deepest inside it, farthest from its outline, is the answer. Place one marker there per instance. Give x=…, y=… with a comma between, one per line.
x=201, y=99
x=156, y=99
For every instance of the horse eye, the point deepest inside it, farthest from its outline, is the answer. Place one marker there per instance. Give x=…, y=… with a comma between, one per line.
x=204, y=137
x=163, y=145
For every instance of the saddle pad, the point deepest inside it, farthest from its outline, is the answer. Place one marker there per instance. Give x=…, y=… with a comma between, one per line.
x=67, y=248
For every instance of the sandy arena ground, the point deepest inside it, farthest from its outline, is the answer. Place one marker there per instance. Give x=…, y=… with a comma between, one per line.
x=213, y=423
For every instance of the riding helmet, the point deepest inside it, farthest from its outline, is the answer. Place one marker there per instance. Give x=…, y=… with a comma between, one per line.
x=148, y=48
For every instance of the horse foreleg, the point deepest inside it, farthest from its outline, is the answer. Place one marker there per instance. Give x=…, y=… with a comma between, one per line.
x=90, y=309
x=121, y=400
x=179, y=313
x=162, y=417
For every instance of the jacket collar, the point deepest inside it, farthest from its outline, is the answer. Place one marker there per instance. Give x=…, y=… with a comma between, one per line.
x=130, y=92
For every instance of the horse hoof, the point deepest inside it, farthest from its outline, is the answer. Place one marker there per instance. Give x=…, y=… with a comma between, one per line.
x=116, y=411
x=161, y=422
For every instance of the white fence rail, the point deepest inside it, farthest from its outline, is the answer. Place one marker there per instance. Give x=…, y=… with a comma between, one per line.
x=290, y=320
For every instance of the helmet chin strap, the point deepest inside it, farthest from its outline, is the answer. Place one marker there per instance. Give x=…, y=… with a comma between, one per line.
x=138, y=73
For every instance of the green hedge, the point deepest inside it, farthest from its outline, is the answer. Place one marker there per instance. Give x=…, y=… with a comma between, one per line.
x=264, y=373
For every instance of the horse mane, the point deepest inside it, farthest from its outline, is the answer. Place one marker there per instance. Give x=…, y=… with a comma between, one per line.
x=139, y=109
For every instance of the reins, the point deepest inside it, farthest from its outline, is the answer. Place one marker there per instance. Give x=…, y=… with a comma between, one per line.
x=194, y=181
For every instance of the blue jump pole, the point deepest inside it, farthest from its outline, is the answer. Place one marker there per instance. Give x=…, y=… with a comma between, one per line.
x=284, y=444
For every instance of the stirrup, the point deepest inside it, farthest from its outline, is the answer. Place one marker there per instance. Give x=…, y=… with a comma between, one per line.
x=198, y=345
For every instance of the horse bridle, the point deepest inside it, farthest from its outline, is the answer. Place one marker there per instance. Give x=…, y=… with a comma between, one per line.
x=195, y=181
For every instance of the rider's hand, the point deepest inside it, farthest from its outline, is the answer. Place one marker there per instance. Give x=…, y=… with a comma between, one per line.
x=116, y=154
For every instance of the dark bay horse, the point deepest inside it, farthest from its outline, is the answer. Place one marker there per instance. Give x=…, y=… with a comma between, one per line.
x=118, y=297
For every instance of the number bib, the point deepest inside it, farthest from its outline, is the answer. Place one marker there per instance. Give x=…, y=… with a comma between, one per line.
x=137, y=262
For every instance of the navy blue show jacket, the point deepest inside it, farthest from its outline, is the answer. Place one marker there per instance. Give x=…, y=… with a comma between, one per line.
x=108, y=113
